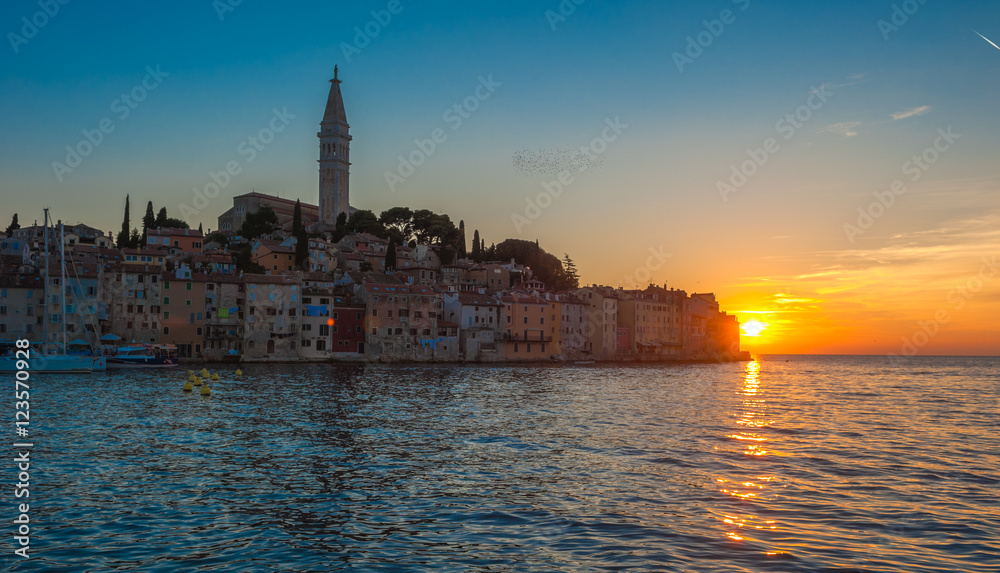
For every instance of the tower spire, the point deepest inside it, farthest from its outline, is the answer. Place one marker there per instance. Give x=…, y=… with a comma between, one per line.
x=334, y=156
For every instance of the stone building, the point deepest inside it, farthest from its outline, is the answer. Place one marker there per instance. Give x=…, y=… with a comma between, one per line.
x=479, y=318
x=271, y=317
x=225, y=296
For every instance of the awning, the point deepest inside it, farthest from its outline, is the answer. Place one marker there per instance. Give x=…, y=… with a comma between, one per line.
x=80, y=342
x=110, y=337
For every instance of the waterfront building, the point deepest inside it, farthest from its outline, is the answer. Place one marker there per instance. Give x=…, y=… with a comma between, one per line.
x=272, y=313
x=183, y=312
x=225, y=296
x=602, y=316
x=526, y=334
x=131, y=298
x=480, y=320
x=349, y=327
x=402, y=322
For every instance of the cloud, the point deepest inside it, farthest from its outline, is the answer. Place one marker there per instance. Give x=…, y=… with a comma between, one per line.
x=911, y=112
x=987, y=39
x=846, y=128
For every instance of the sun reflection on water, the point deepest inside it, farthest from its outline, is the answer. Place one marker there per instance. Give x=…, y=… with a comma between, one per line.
x=750, y=489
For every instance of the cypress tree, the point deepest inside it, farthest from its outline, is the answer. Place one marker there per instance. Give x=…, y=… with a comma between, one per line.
x=477, y=252
x=390, y=255
x=14, y=225
x=148, y=221
x=124, y=238
x=461, y=240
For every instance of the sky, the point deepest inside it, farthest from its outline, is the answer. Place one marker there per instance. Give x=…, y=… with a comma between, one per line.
x=739, y=147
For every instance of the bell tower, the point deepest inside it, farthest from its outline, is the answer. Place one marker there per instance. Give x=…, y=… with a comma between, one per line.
x=334, y=157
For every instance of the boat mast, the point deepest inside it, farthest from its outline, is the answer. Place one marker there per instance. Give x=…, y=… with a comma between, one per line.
x=62, y=284
x=45, y=291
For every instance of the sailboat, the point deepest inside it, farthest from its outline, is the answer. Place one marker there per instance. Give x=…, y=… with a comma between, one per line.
x=51, y=360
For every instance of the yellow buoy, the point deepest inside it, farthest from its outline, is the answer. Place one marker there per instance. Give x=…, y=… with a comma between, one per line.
x=191, y=372
x=204, y=373
x=215, y=376
x=239, y=372
x=188, y=387
x=198, y=381
x=206, y=391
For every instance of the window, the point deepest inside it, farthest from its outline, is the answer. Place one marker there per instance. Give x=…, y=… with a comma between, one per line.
x=324, y=330
x=358, y=317
x=187, y=286
x=166, y=285
x=166, y=300
x=3, y=310
x=320, y=345
x=166, y=314
x=187, y=302
x=374, y=312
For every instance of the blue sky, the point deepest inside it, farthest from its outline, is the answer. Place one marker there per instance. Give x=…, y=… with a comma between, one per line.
x=654, y=187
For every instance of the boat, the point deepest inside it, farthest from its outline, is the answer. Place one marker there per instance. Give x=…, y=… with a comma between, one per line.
x=144, y=356
x=51, y=357
x=52, y=364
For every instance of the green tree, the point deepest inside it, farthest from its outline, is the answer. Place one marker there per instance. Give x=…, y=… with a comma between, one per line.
x=364, y=221
x=135, y=239
x=14, y=225
x=124, y=238
x=570, y=278
x=263, y=221
x=161, y=217
x=217, y=238
x=200, y=230
x=398, y=222
x=477, y=250
x=244, y=260
x=366, y=266
x=544, y=266
x=171, y=223
x=390, y=255
x=148, y=221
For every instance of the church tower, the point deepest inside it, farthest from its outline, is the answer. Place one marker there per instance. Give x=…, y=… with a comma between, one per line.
x=334, y=157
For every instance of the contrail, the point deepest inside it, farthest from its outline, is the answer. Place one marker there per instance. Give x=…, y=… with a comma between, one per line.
x=987, y=39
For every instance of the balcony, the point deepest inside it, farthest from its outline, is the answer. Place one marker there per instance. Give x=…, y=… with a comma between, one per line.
x=531, y=337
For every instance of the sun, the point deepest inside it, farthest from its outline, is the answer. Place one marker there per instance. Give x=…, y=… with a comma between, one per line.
x=753, y=328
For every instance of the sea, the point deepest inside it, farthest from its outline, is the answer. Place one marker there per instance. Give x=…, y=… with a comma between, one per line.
x=786, y=463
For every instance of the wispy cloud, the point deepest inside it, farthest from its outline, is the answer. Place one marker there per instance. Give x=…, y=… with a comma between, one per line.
x=846, y=128
x=911, y=112
x=987, y=39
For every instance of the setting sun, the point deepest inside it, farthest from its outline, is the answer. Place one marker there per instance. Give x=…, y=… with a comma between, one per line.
x=753, y=328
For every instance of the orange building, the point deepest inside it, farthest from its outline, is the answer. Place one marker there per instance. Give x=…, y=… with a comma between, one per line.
x=183, y=308
x=527, y=333
x=274, y=257
x=177, y=240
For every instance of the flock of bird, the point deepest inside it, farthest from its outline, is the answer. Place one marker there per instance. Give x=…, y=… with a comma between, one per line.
x=552, y=162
